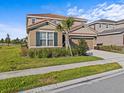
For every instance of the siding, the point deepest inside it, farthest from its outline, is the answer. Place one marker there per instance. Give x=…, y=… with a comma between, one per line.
x=111, y=40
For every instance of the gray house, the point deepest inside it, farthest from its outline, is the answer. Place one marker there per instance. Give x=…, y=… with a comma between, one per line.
x=109, y=32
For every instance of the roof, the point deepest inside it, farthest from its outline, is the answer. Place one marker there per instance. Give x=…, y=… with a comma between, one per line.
x=83, y=30
x=112, y=31
x=105, y=20
x=55, y=16
x=44, y=20
x=48, y=15
x=102, y=21
x=39, y=24
x=76, y=30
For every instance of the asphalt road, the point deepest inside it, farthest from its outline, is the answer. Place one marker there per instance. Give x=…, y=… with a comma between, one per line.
x=110, y=85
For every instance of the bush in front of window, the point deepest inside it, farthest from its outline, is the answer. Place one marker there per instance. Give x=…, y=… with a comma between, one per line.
x=32, y=53
x=78, y=50
x=48, y=52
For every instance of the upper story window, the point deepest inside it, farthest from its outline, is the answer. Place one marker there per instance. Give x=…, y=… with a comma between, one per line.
x=107, y=26
x=33, y=20
x=100, y=25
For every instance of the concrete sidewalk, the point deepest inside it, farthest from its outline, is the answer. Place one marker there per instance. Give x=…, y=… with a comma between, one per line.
x=43, y=70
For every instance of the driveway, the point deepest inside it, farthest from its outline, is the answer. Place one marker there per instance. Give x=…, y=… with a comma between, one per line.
x=115, y=57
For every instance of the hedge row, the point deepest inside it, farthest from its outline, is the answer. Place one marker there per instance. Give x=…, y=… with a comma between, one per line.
x=52, y=52
x=77, y=50
x=111, y=48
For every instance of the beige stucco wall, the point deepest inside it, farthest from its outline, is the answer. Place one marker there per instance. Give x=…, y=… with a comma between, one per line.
x=120, y=25
x=32, y=38
x=111, y=40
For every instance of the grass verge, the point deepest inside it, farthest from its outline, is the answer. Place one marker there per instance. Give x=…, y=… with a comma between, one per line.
x=11, y=60
x=13, y=85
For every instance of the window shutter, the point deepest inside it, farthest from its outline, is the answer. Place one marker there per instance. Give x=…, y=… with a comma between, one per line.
x=37, y=38
x=55, y=39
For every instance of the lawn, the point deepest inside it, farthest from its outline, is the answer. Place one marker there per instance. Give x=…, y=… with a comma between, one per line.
x=11, y=60
x=13, y=85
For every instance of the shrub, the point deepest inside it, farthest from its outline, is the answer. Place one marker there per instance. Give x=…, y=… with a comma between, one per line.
x=111, y=48
x=59, y=52
x=48, y=52
x=32, y=53
x=80, y=49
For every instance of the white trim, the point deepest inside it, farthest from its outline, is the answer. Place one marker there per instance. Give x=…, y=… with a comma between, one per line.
x=44, y=46
x=46, y=38
x=46, y=31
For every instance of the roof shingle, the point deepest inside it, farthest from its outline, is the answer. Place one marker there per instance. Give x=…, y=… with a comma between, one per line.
x=112, y=31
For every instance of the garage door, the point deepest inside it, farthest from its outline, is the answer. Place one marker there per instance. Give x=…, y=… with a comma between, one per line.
x=89, y=42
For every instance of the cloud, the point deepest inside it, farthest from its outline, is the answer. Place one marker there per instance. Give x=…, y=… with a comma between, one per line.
x=74, y=11
x=13, y=31
x=114, y=11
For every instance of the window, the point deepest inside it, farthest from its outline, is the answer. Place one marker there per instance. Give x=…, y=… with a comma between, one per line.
x=50, y=39
x=43, y=39
x=107, y=26
x=47, y=38
x=33, y=20
x=100, y=25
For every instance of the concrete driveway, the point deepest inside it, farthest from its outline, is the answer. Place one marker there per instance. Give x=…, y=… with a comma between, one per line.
x=115, y=57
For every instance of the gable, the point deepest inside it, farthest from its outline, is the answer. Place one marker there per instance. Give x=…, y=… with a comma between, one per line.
x=42, y=26
x=47, y=27
x=85, y=30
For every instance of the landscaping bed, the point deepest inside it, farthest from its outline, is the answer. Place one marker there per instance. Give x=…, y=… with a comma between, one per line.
x=14, y=85
x=11, y=59
x=111, y=48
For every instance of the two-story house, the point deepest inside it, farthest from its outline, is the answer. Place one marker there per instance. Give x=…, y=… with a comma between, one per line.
x=109, y=32
x=41, y=30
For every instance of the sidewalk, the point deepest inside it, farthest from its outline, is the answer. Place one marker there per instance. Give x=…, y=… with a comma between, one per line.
x=43, y=70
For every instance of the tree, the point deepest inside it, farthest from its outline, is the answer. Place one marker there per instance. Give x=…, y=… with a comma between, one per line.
x=65, y=26
x=7, y=39
x=2, y=41
x=17, y=40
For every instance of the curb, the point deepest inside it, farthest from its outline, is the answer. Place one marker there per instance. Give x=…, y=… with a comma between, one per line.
x=47, y=89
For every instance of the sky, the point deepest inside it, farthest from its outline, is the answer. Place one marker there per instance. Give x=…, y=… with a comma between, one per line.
x=13, y=12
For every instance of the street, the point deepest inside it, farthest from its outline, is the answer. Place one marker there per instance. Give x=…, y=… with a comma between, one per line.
x=110, y=85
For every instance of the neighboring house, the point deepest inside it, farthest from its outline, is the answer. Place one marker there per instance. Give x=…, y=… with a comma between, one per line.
x=41, y=30
x=109, y=32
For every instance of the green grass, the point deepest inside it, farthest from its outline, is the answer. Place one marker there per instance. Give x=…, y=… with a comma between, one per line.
x=13, y=85
x=11, y=60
